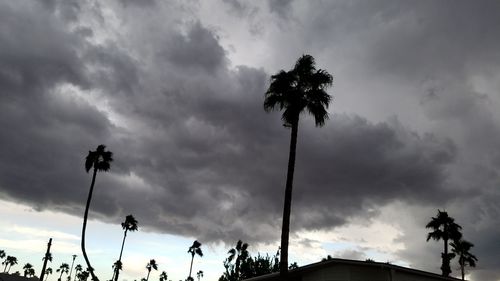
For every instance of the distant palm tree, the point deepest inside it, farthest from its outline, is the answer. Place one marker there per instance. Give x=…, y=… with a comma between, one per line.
x=130, y=224
x=10, y=261
x=48, y=271
x=163, y=276
x=71, y=270
x=444, y=228
x=199, y=274
x=2, y=254
x=63, y=268
x=194, y=250
x=461, y=249
x=83, y=276
x=78, y=269
x=151, y=265
x=27, y=268
x=301, y=89
x=48, y=257
x=238, y=253
x=100, y=160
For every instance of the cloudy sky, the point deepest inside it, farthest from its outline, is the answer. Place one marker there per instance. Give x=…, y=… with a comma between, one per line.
x=175, y=90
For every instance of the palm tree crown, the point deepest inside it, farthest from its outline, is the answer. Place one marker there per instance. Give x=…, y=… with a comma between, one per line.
x=461, y=249
x=301, y=89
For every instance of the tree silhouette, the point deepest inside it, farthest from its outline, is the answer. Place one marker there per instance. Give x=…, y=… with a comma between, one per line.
x=71, y=270
x=130, y=224
x=78, y=269
x=100, y=160
x=444, y=228
x=48, y=271
x=27, y=269
x=238, y=253
x=194, y=250
x=9, y=261
x=163, y=276
x=151, y=265
x=199, y=274
x=301, y=89
x=2, y=255
x=83, y=276
x=461, y=249
x=63, y=268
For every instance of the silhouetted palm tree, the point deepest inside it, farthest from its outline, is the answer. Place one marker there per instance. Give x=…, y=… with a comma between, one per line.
x=71, y=270
x=238, y=253
x=63, y=268
x=2, y=254
x=83, y=276
x=78, y=269
x=48, y=271
x=100, y=160
x=130, y=224
x=117, y=266
x=461, y=248
x=9, y=261
x=27, y=268
x=48, y=257
x=151, y=265
x=199, y=274
x=163, y=276
x=194, y=250
x=444, y=228
x=301, y=89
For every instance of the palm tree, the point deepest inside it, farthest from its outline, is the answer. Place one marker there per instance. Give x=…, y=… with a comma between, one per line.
x=240, y=253
x=301, y=89
x=444, y=228
x=63, y=268
x=71, y=270
x=99, y=160
x=2, y=254
x=194, y=250
x=10, y=261
x=48, y=271
x=78, y=269
x=199, y=274
x=151, y=265
x=117, y=266
x=47, y=257
x=27, y=268
x=461, y=248
x=130, y=224
x=163, y=276
x=83, y=276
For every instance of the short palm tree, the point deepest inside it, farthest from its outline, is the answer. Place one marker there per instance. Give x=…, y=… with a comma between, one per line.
x=461, y=249
x=163, y=276
x=194, y=250
x=199, y=274
x=151, y=265
x=9, y=261
x=100, y=160
x=130, y=224
x=63, y=268
x=302, y=89
x=238, y=253
x=48, y=271
x=444, y=228
x=27, y=268
x=78, y=269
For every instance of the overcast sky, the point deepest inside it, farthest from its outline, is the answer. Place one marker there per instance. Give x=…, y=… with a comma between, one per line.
x=175, y=90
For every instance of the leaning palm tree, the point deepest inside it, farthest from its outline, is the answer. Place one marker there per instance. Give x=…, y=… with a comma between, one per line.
x=194, y=250
x=99, y=160
x=130, y=224
x=48, y=271
x=27, y=268
x=239, y=253
x=461, y=249
x=444, y=228
x=63, y=268
x=10, y=261
x=163, y=276
x=301, y=89
x=151, y=265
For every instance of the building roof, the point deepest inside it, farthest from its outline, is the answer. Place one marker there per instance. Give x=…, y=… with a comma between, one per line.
x=295, y=274
x=14, y=277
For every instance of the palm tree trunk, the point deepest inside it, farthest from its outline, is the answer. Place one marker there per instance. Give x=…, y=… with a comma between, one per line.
x=147, y=277
x=191, y=267
x=5, y=268
x=445, y=267
x=237, y=268
x=85, y=216
x=462, y=267
x=285, y=230
x=117, y=270
x=45, y=260
x=71, y=271
x=46, y=277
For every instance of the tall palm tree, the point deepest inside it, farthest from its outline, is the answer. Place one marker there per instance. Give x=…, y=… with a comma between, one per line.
x=130, y=224
x=194, y=250
x=71, y=270
x=301, y=89
x=444, y=228
x=10, y=261
x=238, y=253
x=63, y=268
x=461, y=249
x=27, y=268
x=163, y=276
x=48, y=271
x=78, y=269
x=151, y=265
x=100, y=160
